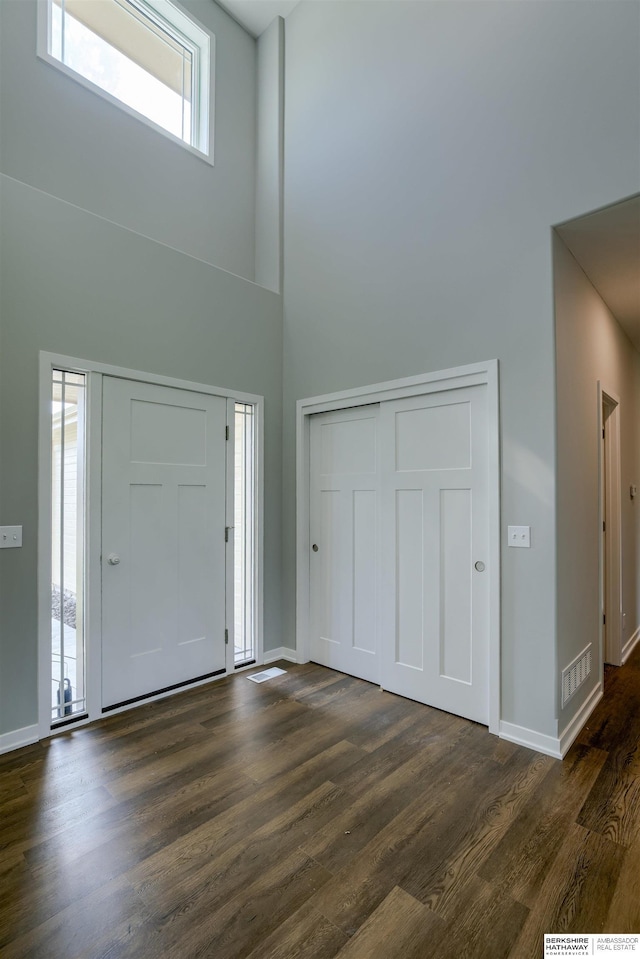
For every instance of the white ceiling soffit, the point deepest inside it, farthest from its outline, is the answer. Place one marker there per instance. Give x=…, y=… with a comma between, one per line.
x=606, y=244
x=256, y=15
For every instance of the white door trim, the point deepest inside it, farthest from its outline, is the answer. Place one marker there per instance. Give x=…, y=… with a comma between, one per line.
x=471, y=375
x=93, y=612
x=611, y=590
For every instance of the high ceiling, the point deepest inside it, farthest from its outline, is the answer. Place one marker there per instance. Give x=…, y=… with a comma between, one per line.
x=256, y=15
x=606, y=244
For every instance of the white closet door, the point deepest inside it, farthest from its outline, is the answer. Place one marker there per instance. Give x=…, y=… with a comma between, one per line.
x=434, y=557
x=163, y=551
x=344, y=554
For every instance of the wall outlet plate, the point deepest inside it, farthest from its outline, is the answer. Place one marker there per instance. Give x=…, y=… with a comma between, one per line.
x=10, y=537
x=519, y=536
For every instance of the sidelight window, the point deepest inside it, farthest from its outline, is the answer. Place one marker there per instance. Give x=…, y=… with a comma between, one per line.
x=68, y=459
x=244, y=534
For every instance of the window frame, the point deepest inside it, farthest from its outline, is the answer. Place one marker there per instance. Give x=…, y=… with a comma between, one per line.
x=76, y=712
x=172, y=18
x=245, y=592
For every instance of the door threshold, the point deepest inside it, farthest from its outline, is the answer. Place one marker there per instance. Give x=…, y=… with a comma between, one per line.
x=159, y=692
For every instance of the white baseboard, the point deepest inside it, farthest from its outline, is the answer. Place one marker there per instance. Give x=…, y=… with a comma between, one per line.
x=630, y=645
x=18, y=737
x=282, y=652
x=572, y=729
x=548, y=745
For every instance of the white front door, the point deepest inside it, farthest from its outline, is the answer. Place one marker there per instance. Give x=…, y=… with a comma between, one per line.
x=163, y=538
x=435, y=577
x=343, y=557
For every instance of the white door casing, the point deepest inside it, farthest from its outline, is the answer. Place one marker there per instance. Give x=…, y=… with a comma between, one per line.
x=611, y=632
x=163, y=541
x=93, y=595
x=344, y=534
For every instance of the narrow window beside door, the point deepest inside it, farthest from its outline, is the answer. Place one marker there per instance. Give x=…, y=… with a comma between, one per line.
x=244, y=521
x=68, y=456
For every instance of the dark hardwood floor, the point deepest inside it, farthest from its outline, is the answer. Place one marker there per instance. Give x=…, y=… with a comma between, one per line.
x=314, y=816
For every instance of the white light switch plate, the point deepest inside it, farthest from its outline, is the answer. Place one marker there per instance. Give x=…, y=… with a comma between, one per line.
x=519, y=536
x=10, y=537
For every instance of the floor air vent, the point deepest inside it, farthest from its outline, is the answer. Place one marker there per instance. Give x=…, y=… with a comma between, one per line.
x=575, y=674
x=266, y=674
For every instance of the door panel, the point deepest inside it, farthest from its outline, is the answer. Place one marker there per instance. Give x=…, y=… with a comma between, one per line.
x=410, y=553
x=344, y=522
x=455, y=565
x=432, y=437
x=365, y=522
x=434, y=509
x=163, y=518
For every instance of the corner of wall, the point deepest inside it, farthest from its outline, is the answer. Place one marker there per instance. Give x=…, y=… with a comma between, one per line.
x=269, y=156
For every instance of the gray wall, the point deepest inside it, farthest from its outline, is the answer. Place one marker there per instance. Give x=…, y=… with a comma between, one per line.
x=269, y=156
x=69, y=142
x=73, y=283
x=107, y=235
x=429, y=148
x=591, y=346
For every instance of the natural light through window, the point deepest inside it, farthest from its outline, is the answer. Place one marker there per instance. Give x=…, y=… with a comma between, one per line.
x=244, y=545
x=68, y=467
x=149, y=56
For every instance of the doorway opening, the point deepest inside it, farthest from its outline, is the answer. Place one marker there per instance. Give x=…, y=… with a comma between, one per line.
x=76, y=480
x=610, y=531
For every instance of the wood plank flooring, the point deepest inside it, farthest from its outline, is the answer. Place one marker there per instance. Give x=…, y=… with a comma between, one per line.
x=312, y=817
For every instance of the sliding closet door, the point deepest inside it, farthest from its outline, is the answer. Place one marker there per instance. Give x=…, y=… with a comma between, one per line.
x=399, y=558
x=434, y=555
x=343, y=558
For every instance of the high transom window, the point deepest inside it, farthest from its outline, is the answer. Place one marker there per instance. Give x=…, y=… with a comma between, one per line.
x=147, y=55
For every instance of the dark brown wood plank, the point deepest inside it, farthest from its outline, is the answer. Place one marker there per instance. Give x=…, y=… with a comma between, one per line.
x=191, y=871
x=452, y=847
x=313, y=817
x=380, y=791
x=239, y=925
x=112, y=912
x=486, y=926
x=306, y=934
x=400, y=928
x=19, y=830
x=624, y=911
x=525, y=854
x=612, y=807
x=388, y=858
x=577, y=892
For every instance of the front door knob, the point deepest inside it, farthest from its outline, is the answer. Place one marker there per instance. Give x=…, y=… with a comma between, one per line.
x=315, y=547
